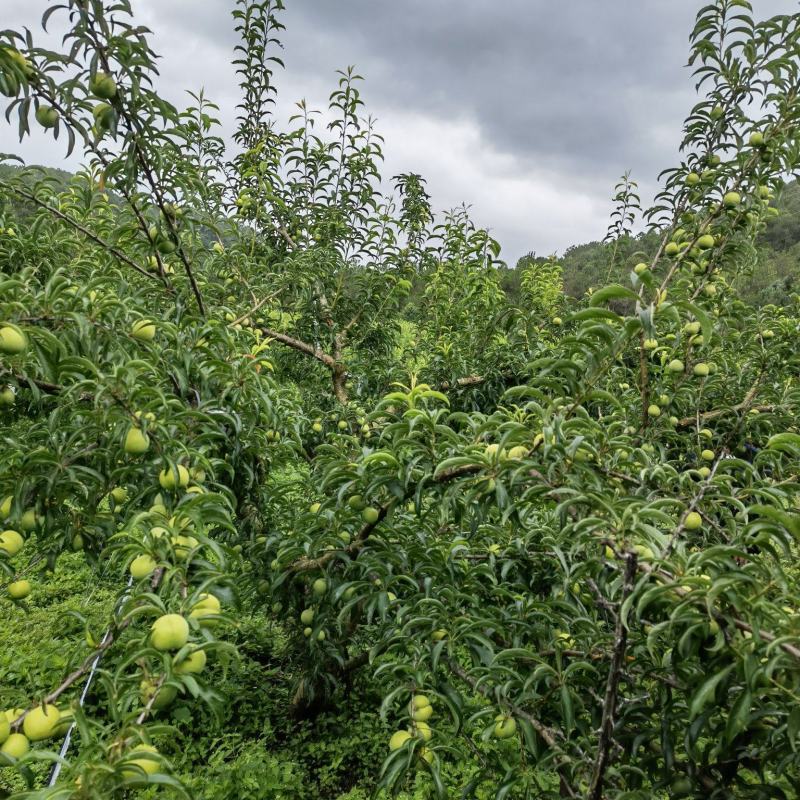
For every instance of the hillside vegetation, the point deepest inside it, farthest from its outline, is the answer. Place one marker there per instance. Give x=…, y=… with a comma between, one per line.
x=305, y=494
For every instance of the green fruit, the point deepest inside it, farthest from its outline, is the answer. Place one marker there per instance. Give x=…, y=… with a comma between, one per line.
x=420, y=708
x=169, y=632
x=169, y=480
x=144, y=330
x=104, y=116
x=321, y=636
x=183, y=545
x=423, y=731
x=307, y=632
x=5, y=728
x=653, y=410
x=194, y=663
x=691, y=328
x=706, y=241
x=692, y=179
x=704, y=472
x=732, y=199
x=672, y=249
x=307, y=616
x=5, y=507
x=650, y=344
x=47, y=116
x=16, y=746
x=370, y=515
x=557, y=321
x=356, y=502
x=120, y=494
x=676, y=365
x=164, y=695
x=319, y=587
x=505, y=727
x=11, y=542
x=133, y=767
x=142, y=566
x=315, y=507
x=316, y=427
x=717, y=112
x=19, y=590
x=516, y=453
x=640, y=269
x=757, y=139
x=700, y=369
x=693, y=521
x=7, y=397
x=102, y=85
x=41, y=723
x=12, y=341
x=398, y=739
x=343, y=426
x=707, y=455
x=136, y=441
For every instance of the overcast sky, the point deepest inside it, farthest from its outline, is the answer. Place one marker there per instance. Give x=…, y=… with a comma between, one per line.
x=527, y=110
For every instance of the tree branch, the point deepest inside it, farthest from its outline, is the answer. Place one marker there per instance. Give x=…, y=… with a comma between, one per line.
x=612, y=684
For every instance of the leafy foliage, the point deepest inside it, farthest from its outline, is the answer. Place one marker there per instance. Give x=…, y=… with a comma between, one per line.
x=550, y=544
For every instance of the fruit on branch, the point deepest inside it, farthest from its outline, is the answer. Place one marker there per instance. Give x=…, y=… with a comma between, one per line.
x=640, y=269
x=192, y=664
x=701, y=370
x=47, y=116
x=676, y=365
x=142, y=566
x=653, y=410
x=206, y=609
x=119, y=494
x=5, y=728
x=399, y=738
x=103, y=86
x=756, y=139
x=672, y=249
x=12, y=340
x=693, y=521
x=732, y=199
x=356, y=502
x=319, y=587
x=650, y=344
x=183, y=545
x=19, y=590
x=707, y=455
x=706, y=241
x=315, y=507
x=692, y=179
x=307, y=632
x=420, y=708
x=11, y=542
x=136, y=441
x=370, y=515
x=172, y=477
x=307, y=616
x=16, y=746
x=164, y=695
x=104, y=116
x=133, y=766
x=169, y=632
x=41, y=723
x=321, y=636
x=505, y=726
x=144, y=330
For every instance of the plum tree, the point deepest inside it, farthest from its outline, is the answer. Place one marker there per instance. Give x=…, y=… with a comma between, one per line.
x=346, y=427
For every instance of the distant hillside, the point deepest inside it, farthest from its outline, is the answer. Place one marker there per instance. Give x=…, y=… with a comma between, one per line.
x=775, y=275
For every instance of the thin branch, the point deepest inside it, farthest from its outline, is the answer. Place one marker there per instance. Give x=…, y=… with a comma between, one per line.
x=85, y=231
x=612, y=684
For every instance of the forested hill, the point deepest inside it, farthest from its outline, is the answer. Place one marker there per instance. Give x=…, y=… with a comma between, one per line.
x=772, y=277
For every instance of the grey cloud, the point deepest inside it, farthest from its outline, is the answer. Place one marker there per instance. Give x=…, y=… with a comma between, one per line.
x=565, y=95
